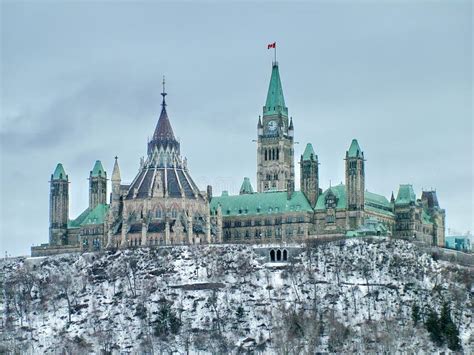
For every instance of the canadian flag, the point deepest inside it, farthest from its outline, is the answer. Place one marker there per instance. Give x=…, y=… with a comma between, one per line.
x=272, y=45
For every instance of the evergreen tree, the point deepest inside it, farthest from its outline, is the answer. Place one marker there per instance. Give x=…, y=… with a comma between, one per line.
x=415, y=314
x=167, y=321
x=433, y=327
x=449, y=329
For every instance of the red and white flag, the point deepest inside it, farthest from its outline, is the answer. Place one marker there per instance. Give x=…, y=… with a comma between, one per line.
x=272, y=45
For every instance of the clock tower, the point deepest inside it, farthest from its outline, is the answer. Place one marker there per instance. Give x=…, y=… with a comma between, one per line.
x=275, y=151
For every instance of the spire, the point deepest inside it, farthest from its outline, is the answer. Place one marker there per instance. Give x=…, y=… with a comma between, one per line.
x=163, y=135
x=116, y=171
x=259, y=125
x=59, y=173
x=275, y=103
x=98, y=170
x=309, y=153
x=392, y=199
x=163, y=130
x=354, y=150
x=291, y=123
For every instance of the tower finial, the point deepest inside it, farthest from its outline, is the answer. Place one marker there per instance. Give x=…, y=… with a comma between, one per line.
x=163, y=93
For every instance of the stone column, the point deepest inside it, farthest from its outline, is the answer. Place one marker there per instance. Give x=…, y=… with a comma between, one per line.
x=167, y=232
x=190, y=229
x=123, y=242
x=208, y=228
x=144, y=230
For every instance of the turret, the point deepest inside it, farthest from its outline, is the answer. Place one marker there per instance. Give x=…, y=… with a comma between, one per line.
x=309, y=175
x=246, y=187
x=291, y=129
x=97, y=185
x=355, y=177
x=259, y=126
x=58, y=206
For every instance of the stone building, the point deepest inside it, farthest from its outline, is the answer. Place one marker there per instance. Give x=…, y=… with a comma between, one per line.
x=163, y=205
x=276, y=212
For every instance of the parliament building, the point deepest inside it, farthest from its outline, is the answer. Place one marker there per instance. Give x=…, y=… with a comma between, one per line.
x=164, y=206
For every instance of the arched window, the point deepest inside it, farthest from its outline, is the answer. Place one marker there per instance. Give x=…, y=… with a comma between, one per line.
x=285, y=255
x=265, y=154
x=272, y=255
x=278, y=255
x=273, y=154
x=278, y=153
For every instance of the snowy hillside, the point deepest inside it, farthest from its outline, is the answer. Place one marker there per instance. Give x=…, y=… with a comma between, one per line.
x=354, y=295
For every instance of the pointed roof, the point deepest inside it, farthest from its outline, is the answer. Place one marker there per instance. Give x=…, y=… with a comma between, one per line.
x=275, y=103
x=309, y=153
x=163, y=130
x=246, y=187
x=59, y=173
x=405, y=195
x=98, y=170
x=354, y=150
x=163, y=135
x=116, y=171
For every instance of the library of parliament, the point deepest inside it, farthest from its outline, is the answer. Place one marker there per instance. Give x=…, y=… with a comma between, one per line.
x=164, y=206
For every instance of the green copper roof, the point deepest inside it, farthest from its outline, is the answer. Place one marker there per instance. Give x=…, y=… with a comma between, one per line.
x=275, y=103
x=371, y=226
x=246, y=187
x=373, y=202
x=261, y=203
x=98, y=170
x=59, y=173
x=308, y=152
x=354, y=150
x=405, y=195
x=339, y=191
x=94, y=216
x=376, y=199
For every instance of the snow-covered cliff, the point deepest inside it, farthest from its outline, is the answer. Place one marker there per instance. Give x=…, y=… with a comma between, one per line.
x=352, y=295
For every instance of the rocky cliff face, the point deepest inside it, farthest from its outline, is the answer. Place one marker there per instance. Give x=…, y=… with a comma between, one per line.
x=353, y=295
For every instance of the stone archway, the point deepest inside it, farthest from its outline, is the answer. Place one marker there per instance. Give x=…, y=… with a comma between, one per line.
x=272, y=255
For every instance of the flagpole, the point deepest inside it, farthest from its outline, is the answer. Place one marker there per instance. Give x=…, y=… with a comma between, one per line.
x=275, y=52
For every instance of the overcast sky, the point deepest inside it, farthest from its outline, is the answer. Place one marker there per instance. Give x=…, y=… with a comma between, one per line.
x=82, y=81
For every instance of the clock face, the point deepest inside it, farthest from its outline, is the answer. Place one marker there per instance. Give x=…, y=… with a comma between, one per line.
x=272, y=125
